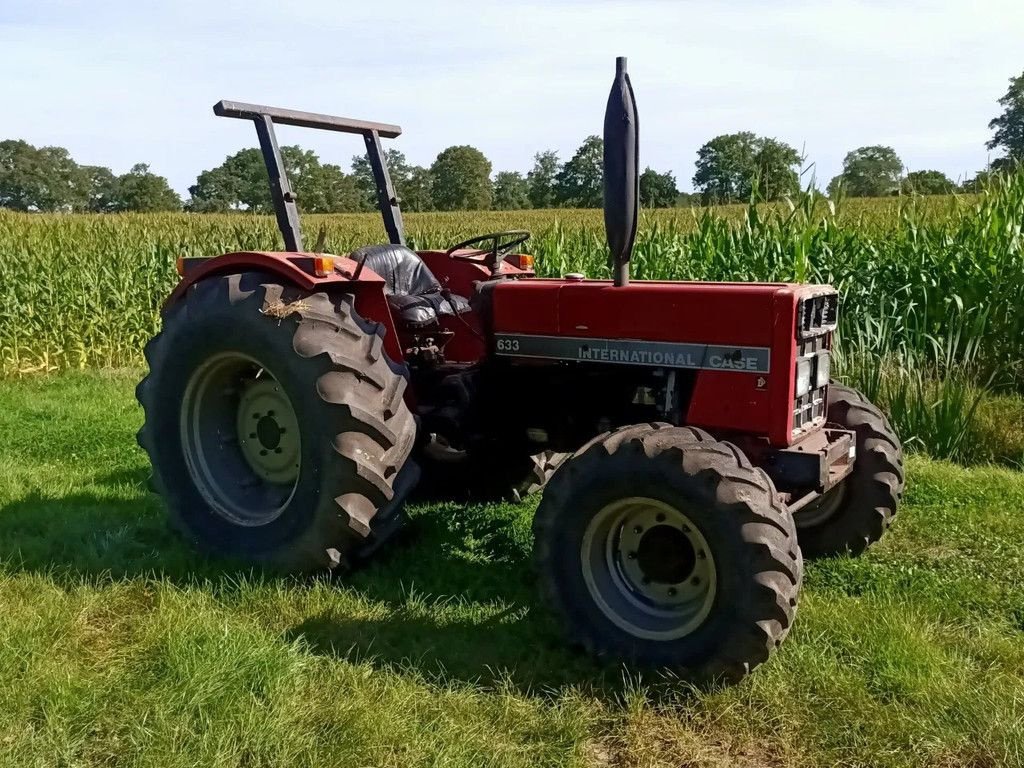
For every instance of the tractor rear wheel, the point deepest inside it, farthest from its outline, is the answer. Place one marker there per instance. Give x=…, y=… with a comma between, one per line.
x=275, y=424
x=854, y=514
x=660, y=545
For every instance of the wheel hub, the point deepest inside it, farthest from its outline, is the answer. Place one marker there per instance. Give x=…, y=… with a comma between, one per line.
x=649, y=568
x=240, y=439
x=665, y=555
x=268, y=431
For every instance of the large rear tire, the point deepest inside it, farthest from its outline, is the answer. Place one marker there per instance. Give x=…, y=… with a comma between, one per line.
x=276, y=425
x=858, y=511
x=659, y=545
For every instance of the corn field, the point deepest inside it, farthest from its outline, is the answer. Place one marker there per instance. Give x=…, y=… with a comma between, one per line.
x=932, y=288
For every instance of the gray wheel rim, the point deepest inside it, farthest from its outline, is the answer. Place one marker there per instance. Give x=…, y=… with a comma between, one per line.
x=240, y=439
x=648, y=568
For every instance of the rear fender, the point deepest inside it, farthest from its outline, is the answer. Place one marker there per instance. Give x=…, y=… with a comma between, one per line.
x=299, y=270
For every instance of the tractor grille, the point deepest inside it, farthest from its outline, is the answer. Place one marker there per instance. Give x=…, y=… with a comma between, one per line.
x=808, y=409
x=817, y=314
x=809, y=405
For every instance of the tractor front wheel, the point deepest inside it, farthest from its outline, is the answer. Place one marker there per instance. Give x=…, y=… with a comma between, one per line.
x=659, y=545
x=275, y=424
x=854, y=514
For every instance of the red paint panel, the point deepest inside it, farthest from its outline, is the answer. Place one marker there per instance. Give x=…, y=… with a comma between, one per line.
x=527, y=306
x=712, y=313
x=681, y=312
x=741, y=314
x=731, y=400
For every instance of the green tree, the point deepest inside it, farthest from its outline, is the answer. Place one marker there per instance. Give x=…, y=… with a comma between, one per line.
x=687, y=200
x=869, y=172
x=927, y=183
x=1009, y=126
x=725, y=167
x=417, y=190
x=657, y=190
x=541, y=180
x=102, y=185
x=17, y=174
x=511, y=191
x=775, y=164
x=328, y=189
x=461, y=179
x=398, y=169
x=43, y=179
x=742, y=166
x=978, y=183
x=580, y=183
x=140, y=190
x=241, y=182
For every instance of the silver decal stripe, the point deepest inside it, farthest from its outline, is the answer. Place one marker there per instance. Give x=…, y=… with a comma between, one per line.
x=626, y=352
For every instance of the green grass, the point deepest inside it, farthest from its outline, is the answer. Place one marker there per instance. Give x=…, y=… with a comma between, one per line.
x=120, y=647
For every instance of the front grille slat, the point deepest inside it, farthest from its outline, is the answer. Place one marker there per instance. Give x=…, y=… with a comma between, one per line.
x=817, y=314
x=809, y=408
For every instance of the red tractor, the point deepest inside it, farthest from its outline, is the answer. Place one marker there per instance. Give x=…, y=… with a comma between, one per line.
x=700, y=445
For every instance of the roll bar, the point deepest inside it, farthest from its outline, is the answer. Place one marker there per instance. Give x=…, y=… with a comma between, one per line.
x=285, y=209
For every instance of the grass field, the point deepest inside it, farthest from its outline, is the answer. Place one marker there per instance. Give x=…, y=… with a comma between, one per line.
x=120, y=647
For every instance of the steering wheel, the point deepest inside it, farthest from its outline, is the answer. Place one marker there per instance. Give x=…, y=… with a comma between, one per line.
x=501, y=243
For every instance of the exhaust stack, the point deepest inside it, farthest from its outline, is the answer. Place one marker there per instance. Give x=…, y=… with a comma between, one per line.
x=621, y=172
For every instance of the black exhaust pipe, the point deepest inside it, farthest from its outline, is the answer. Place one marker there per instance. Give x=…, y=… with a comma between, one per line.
x=621, y=172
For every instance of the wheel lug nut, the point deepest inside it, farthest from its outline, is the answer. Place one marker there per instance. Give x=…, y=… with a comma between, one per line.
x=270, y=414
x=257, y=416
x=263, y=453
x=631, y=555
x=660, y=517
x=671, y=591
x=637, y=529
x=277, y=450
x=281, y=430
x=252, y=435
x=686, y=529
x=695, y=581
x=701, y=554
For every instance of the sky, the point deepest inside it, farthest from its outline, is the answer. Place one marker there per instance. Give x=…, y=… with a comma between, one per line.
x=129, y=81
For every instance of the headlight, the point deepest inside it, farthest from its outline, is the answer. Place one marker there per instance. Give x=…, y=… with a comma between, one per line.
x=803, y=377
x=824, y=363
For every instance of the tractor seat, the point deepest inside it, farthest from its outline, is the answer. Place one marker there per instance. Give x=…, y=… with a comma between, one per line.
x=412, y=291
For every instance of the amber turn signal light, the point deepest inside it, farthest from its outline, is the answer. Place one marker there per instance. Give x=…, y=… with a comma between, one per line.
x=525, y=261
x=323, y=266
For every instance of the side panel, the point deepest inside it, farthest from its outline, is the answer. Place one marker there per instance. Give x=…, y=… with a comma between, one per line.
x=724, y=400
x=724, y=330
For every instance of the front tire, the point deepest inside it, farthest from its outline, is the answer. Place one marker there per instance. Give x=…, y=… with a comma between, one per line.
x=658, y=545
x=275, y=424
x=856, y=513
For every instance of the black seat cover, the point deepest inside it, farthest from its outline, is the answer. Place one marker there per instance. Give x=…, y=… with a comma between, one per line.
x=413, y=292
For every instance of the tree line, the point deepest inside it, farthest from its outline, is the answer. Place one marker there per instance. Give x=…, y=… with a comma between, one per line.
x=736, y=167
